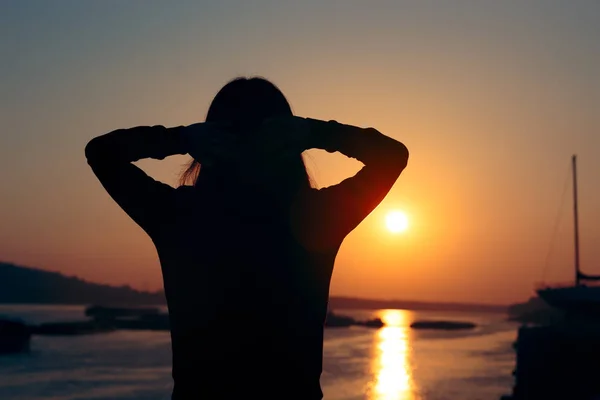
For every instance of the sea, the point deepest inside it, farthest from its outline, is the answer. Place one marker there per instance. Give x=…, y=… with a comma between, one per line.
x=391, y=363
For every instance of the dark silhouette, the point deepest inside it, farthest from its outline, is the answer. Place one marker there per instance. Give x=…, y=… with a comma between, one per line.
x=247, y=250
x=14, y=336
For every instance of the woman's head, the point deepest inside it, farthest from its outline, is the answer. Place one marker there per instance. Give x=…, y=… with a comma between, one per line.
x=245, y=103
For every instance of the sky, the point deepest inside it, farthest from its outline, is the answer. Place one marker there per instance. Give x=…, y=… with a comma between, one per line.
x=491, y=98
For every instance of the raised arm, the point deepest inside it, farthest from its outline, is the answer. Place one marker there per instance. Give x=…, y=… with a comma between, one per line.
x=111, y=156
x=336, y=210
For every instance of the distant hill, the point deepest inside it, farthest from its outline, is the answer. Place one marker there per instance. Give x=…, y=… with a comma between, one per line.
x=349, y=302
x=24, y=285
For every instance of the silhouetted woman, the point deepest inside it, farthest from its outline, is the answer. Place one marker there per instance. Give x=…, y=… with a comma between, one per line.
x=247, y=251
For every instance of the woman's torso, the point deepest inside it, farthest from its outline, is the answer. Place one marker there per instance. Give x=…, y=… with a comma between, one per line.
x=247, y=300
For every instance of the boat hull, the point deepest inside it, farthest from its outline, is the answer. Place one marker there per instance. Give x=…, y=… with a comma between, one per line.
x=579, y=299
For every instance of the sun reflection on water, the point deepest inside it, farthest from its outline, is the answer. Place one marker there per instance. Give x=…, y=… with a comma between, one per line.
x=393, y=380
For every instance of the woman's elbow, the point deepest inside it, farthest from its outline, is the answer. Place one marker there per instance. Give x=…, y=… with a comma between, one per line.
x=395, y=152
x=95, y=150
x=91, y=149
x=399, y=155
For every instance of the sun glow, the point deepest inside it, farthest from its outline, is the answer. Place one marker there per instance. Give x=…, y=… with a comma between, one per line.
x=396, y=221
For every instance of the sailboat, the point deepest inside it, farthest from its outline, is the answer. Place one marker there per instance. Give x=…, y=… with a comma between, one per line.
x=576, y=298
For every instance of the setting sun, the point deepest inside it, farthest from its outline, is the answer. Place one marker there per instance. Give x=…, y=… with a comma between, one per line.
x=396, y=221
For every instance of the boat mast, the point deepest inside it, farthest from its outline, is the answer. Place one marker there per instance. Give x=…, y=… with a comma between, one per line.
x=576, y=220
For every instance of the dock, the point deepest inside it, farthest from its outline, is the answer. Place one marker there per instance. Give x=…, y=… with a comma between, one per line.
x=557, y=362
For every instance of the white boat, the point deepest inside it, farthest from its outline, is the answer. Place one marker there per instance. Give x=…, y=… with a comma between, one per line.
x=576, y=298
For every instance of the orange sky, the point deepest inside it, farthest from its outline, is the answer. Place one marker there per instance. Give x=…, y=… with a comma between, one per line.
x=491, y=100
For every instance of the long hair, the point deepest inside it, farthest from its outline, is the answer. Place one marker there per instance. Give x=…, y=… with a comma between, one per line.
x=246, y=103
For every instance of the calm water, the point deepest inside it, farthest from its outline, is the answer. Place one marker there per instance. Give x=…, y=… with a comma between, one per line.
x=392, y=363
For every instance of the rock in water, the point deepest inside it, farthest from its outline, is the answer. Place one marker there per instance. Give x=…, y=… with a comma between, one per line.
x=442, y=325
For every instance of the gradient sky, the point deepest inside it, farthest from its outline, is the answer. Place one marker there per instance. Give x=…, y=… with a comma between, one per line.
x=491, y=97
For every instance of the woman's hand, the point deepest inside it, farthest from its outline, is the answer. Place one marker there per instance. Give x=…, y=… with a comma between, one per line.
x=208, y=143
x=267, y=151
x=282, y=137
